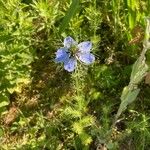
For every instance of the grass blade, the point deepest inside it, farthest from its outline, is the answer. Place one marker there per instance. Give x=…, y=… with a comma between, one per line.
x=70, y=13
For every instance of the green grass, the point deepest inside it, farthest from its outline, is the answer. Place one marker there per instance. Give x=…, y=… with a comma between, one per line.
x=105, y=105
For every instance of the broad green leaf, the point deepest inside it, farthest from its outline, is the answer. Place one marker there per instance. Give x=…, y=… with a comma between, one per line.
x=4, y=101
x=128, y=96
x=70, y=13
x=139, y=70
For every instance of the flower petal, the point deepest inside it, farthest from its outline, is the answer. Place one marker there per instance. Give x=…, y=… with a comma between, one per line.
x=62, y=55
x=70, y=65
x=85, y=47
x=69, y=41
x=86, y=58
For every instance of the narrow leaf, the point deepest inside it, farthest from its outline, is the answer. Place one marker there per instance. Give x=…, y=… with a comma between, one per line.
x=70, y=13
x=5, y=38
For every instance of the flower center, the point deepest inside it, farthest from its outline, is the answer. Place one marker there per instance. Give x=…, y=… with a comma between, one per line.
x=73, y=50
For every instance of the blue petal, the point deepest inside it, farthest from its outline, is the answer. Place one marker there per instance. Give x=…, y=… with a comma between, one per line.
x=86, y=58
x=85, y=47
x=69, y=41
x=70, y=65
x=62, y=55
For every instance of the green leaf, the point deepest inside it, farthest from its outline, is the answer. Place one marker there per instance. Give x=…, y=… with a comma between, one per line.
x=69, y=111
x=78, y=128
x=70, y=13
x=78, y=143
x=5, y=38
x=85, y=138
x=139, y=70
x=4, y=100
x=127, y=97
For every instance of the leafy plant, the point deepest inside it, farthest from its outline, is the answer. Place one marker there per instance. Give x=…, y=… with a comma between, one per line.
x=15, y=51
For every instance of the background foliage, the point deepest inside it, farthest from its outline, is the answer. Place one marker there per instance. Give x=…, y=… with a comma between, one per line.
x=103, y=106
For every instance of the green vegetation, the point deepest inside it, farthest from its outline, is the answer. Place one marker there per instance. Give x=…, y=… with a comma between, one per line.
x=103, y=106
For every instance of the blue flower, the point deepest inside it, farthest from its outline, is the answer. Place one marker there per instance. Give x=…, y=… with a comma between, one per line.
x=71, y=52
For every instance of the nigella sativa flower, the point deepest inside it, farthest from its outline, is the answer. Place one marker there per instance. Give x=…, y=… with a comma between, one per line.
x=71, y=52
